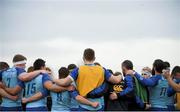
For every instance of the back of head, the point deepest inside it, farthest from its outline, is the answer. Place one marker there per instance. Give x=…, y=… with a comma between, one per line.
x=48, y=69
x=175, y=70
x=38, y=64
x=158, y=65
x=166, y=64
x=89, y=54
x=127, y=64
x=30, y=69
x=63, y=72
x=147, y=69
x=3, y=66
x=117, y=73
x=19, y=59
x=71, y=67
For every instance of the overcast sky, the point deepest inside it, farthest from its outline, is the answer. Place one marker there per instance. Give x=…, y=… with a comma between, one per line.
x=59, y=30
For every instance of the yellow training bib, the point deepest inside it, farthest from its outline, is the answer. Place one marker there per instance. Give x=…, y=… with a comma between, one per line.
x=89, y=78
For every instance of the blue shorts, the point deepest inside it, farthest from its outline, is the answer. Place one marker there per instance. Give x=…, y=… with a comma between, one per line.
x=10, y=108
x=37, y=109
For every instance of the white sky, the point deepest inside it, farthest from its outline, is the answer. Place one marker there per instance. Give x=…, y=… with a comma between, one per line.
x=59, y=30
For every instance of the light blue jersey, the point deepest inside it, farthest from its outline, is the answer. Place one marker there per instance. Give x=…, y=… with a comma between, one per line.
x=158, y=95
x=10, y=79
x=61, y=101
x=34, y=86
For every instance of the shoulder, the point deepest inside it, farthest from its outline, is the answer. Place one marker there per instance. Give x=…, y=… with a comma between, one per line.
x=104, y=69
x=157, y=77
x=44, y=75
x=74, y=73
x=19, y=70
x=128, y=77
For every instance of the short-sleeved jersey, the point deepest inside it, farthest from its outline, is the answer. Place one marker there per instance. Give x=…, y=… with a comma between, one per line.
x=61, y=101
x=158, y=95
x=10, y=78
x=34, y=86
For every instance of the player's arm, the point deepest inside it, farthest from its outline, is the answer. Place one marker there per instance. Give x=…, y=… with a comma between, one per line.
x=16, y=89
x=29, y=76
x=64, y=82
x=170, y=91
x=129, y=88
x=13, y=91
x=39, y=95
x=83, y=100
x=53, y=87
x=69, y=79
x=111, y=78
x=127, y=91
x=175, y=86
x=152, y=81
x=48, y=84
x=99, y=91
x=3, y=93
x=33, y=98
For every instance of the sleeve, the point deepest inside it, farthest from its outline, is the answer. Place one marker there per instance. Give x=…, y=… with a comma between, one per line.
x=74, y=93
x=21, y=84
x=45, y=78
x=129, y=84
x=74, y=73
x=99, y=91
x=177, y=81
x=107, y=74
x=170, y=91
x=20, y=71
x=152, y=81
x=45, y=92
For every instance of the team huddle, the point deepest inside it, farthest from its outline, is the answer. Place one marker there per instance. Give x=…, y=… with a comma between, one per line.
x=88, y=87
